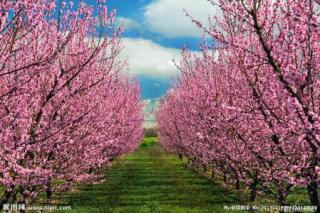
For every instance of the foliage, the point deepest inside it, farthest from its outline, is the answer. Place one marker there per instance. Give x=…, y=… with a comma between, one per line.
x=248, y=107
x=66, y=111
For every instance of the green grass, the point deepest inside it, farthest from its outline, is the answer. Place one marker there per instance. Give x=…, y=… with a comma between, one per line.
x=149, y=180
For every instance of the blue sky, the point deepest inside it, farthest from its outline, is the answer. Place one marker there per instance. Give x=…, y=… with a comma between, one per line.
x=135, y=10
x=155, y=32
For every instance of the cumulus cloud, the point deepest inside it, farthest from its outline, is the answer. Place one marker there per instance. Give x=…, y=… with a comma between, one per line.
x=128, y=23
x=149, y=107
x=167, y=17
x=146, y=57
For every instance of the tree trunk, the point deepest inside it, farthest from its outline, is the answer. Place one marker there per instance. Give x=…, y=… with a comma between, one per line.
x=204, y=168
x=48, y=191
x=253, y=192
x=22, y=202
x=190, y=163
x=313, y=195
x=180, y=156
x=5, y=198
x=282, y=202
x=237, y=184
x=225, y=177
x=213, y=174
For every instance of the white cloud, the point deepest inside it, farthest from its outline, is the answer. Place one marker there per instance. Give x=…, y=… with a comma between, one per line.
x=167, y=17
x=149, y=107
x=128, y=23
x=146, y=57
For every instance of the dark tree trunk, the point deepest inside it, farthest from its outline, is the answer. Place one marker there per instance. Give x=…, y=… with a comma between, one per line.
x=225, y=177
x=5, y=198
x=204, y=168
x=190, y=163
x=282, y=202
x=237, y=184
x=253, y=192
x=14, y=197
x=48, y=191
x=313, y=195
x=213, y=174
x=180, y=156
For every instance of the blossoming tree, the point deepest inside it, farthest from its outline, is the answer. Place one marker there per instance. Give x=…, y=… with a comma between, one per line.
x=66, y=110
x=249, y=105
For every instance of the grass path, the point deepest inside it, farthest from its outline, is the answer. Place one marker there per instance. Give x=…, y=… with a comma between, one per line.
x=150, y=180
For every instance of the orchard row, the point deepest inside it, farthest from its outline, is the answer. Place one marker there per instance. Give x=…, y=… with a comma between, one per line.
x=66, y=111
x=248, y=105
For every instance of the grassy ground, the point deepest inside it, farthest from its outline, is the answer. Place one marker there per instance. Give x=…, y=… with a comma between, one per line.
x=150, y=180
